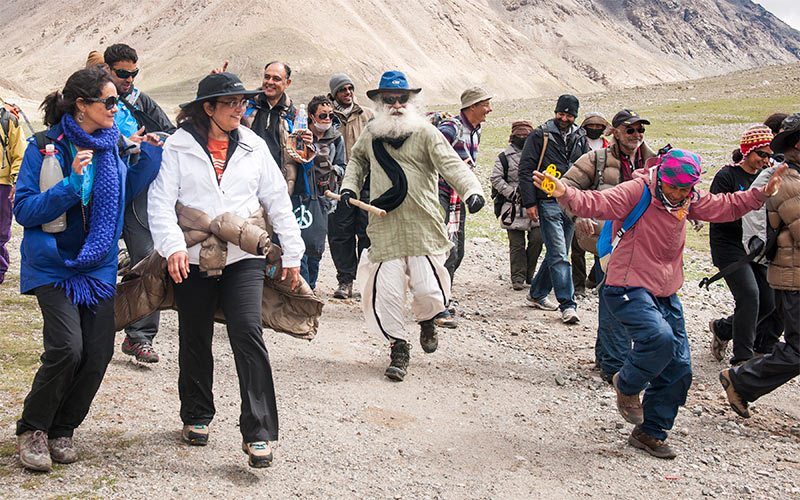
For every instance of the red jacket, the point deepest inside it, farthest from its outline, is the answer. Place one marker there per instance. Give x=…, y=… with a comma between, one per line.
x=650, y=255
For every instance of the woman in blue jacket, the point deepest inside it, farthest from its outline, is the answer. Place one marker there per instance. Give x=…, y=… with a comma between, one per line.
x=73, y=272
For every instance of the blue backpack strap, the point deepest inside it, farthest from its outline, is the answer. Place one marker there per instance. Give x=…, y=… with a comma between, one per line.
x=605, y=243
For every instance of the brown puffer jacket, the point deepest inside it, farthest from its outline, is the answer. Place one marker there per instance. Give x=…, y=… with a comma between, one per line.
x=584, y=176
x=784, y=269
x=148, y=287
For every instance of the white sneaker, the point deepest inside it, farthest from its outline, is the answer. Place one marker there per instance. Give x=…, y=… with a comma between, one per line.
x=544, y=304
x=570, y=316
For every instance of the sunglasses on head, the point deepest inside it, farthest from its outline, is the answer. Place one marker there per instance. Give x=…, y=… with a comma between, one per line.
x=763, y=154
x=391, y=99
x=631, y=130
x=109, y=102
x=324, y=116
x=125, y=74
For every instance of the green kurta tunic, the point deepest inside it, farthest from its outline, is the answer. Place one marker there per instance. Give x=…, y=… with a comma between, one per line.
x=416, y=227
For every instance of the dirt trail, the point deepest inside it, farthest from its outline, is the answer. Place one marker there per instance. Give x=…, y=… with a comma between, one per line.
x=508, y=407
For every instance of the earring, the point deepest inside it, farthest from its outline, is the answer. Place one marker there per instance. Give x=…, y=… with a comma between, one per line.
x=80, y=117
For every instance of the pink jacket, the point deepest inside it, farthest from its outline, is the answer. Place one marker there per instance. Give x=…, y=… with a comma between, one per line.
x=658, y=238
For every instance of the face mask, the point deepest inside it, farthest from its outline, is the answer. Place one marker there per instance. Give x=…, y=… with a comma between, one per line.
x=322, y=127
x=594, y=133
x=518, y=141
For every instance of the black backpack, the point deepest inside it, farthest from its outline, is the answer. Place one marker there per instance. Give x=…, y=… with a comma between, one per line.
x=499, y=199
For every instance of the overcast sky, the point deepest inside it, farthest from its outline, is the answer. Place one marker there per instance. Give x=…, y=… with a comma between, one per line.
x=787, y=10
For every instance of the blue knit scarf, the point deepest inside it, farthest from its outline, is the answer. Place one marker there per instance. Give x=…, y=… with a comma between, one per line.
x=82, y=288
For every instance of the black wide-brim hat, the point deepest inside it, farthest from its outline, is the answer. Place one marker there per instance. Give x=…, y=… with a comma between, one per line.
x=786, y=139
x=220, y=85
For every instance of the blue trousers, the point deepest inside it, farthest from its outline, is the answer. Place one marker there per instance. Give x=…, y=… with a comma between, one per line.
x=613, y=342
x=309, y=269
x=555, y=273
x=660, y=363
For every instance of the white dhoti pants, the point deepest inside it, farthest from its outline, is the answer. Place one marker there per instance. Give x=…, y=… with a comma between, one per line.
x=384, y=285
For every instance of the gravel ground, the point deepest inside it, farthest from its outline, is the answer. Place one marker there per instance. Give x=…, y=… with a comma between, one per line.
x=508, y=407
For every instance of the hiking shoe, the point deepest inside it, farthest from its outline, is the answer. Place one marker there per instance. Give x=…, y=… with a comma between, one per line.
x=570, y=316
x=62, y=451
x=259, y=454
x=143, y=353
x=656, y=447
x=607, y=377
x=33, y=452
x=543, y=304
x=738, y=404
x=445, y=320
x=718, y=346
x=400, y=356
x=345, y=291
x=195, y=435
x=428, y=338
x=630, y=407
x=518, y=285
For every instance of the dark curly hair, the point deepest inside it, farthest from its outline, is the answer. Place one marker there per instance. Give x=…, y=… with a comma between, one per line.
x=119, y=52
x=84, y=83
x=316, y=102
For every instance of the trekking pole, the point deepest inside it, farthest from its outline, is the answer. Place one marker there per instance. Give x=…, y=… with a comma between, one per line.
x=360, y=204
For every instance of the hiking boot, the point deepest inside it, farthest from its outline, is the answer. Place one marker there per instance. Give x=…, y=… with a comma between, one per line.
x=62, y=451
x=718, y=346
x=400, y=356
x=195, y=435
x=345, y=291
x=607, y=377
x=259, y=454
x=445, y=320
x=738, y=404
x=518, y=285
x=570, y=316
x=630, y=407
x=33, y=452
x=143, y=353
x=428, y=338
x=580, y=293
x=656, y=447
x=543, y=304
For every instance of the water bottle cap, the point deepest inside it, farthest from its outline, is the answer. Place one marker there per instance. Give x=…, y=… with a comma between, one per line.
x=50, y=149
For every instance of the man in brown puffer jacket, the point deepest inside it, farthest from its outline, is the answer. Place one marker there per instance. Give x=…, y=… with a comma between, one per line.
x=762, y=375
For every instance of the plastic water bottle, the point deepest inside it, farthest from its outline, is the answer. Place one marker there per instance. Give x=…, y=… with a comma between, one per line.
x=49, y=176
x=301, y=119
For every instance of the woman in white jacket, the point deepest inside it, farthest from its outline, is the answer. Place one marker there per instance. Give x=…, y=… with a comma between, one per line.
x=215, y=165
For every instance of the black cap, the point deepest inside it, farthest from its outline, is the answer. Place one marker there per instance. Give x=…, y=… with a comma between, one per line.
x=219, y=85
x=627, y=117
x=567, y=103
x=790, y=135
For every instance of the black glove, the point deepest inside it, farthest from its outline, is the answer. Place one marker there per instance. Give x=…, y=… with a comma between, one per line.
x=475, y=203
x=345, y=195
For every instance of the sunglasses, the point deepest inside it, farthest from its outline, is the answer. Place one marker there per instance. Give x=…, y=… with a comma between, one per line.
x=763, y=154
x=632, y=130
x=391, y=99
x=324, y=116
x=109, y=102
x=237, y=103
x=347, y=88
x=125, y=74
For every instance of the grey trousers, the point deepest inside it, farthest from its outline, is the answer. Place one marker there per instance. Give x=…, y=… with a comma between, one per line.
x=522, y=256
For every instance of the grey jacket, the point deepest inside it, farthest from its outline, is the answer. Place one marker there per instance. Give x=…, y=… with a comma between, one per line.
x=509, y=187
x=755, y=223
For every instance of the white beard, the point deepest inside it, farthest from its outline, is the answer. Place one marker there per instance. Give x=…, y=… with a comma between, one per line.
x=406, y=121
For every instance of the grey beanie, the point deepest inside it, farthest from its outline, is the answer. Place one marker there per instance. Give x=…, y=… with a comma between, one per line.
x=338, y=81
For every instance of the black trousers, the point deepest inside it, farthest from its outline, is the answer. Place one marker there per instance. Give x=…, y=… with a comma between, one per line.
x=238, y=292
x=78, y=345
x=139, y=243
x=347, y=238
x=523, y=257
x=578, y=259
x=753, y=322
x=456, y=254
x=764, y=374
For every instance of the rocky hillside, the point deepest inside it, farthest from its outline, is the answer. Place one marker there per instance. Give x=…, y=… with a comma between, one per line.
x=518, y=48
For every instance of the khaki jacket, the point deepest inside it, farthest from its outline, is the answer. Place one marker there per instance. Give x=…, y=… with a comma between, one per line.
x=148, y=287
x=784, y=270
x=352, y=125
x=583, y=175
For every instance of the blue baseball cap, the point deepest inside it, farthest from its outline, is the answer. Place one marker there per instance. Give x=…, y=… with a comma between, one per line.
x=392, y=81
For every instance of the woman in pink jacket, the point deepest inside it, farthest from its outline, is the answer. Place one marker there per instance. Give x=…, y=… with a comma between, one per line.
x=644, y=274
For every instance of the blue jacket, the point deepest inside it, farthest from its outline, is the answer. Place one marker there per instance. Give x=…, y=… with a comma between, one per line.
x=43, y=254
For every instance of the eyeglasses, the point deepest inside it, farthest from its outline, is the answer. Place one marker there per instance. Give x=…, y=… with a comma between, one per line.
x=632, y=130
x=347, y=88
x=324, y=116
x=237, y=103
x=391, y=99
x=109, y=102
x=125, y=74
x=763, y=154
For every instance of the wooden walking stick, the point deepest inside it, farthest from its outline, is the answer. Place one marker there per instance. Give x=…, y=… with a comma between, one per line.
x=360, y=204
